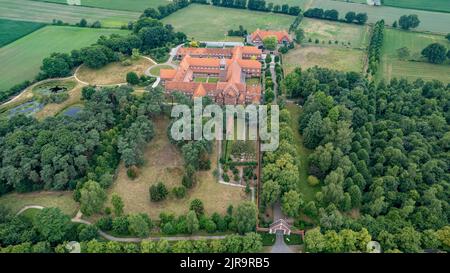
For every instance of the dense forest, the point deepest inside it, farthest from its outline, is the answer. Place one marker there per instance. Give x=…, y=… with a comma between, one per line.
x=381, y=151
x=63, y=152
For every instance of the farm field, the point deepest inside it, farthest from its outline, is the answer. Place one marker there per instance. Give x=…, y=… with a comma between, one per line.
x=358, y=36
x=391, y=66
x=21, y=60
x=435, y=5
x=34, y=11
x=131, y=5
x=191, y=20
x=430, y=21
x=62, y=199
x=112, y=73
x=12, y=30
x=165, y=164
x=339, y=58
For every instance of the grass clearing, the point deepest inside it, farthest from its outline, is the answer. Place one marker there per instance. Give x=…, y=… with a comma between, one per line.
x=339, y=58
x=113, y=73
x=12, y=30
x=130, y=5
x=21, y=60
x=391, y=66
x=303, y=153
x=164, y=163
x=157, y=68
x=62, y=200
x=430, y=21
x=434, y=5
x=36, y=11
x=358, y=36
x=191, y=20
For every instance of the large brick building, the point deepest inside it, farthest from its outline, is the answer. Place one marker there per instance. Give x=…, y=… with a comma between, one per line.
x=219, y=73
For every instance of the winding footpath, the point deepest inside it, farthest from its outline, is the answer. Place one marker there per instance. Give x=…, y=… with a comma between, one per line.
x=78, y=219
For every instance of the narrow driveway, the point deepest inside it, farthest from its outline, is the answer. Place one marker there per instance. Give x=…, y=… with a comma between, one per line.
x=280, y=246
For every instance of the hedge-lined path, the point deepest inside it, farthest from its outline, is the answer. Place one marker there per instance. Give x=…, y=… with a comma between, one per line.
x=79, y=215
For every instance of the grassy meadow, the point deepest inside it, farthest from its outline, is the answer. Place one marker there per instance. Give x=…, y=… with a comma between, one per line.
x=12, y=30
x=430, y=21
x=415, y=66
x=130, y=5
x=212, y=23
x=45, y=12
x=21, y=60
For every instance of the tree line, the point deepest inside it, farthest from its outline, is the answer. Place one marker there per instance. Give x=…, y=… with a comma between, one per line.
x=375, y=46
x=333, y=15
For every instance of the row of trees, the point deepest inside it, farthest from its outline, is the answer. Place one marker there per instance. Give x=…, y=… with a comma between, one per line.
x=386, y=159
x=165, y=10
x=375, y=46
x=333, y=15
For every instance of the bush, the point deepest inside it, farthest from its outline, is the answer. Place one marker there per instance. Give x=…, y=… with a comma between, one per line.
x=104, y=223
x=313, y=181
x=120, y=225
x=179, y=192
x=187, y=181
x=226, y=178
x=132, y=78
x=87, y=232
x=210, y=226
x=197, y=206
x=158, y=192
x=133, y=172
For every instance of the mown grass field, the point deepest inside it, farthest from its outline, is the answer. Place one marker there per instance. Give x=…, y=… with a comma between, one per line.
x=21, y=60
x=212, y=23
x=164, y=163
x=357, y=36
x=131, y=5
x=338, y=58
x=430, y=21
x=35, y=11
x=303, y=153
x=435, y=5
x=391, y=66
x=62, y=200
x=12, y=30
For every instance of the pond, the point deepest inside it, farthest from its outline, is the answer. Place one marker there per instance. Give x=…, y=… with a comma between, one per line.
x=28, y=109
x=53, y=87
x=72, y=111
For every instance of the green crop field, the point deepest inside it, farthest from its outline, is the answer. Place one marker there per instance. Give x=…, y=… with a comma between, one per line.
x=22, y=59
x=435, y=5
x=358, y=36
x=212, y=23
x=131, y=5
x=391, y=66
x=430, y=21
x=12, y=30
x=35, y=11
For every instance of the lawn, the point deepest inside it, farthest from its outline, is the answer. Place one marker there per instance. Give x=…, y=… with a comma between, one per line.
x=157, y=68
x=131, y=5
x=113, y=73
x=391, y=66
x=430, y=21
x=164, y=163
x=332, y=57
x=212, y=23
x=21, y=60
x=303, y=153
x=357, y=36
x=434, y=5
x=12, y=30
x=35, y=11
x=62, y=200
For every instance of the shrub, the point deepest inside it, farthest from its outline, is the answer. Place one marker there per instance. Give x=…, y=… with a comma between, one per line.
x=132, y=78
x=104, y=223
x=179, y=192
x=120, y=225
x=87, y=233
x=187, y=181
x=210, y=226
x=158, y=192
x=313, y=181
x=226, y=178
x=197, y=206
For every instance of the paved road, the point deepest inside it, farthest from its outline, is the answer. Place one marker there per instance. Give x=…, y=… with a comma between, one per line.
x=280, y=246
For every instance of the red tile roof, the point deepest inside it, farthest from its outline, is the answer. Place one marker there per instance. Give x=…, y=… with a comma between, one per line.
x=266, y=33
x=167, y=73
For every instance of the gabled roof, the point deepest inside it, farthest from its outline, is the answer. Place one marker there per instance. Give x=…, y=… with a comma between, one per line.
x=167, y=73
x=200, y=91
x=266, y=33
